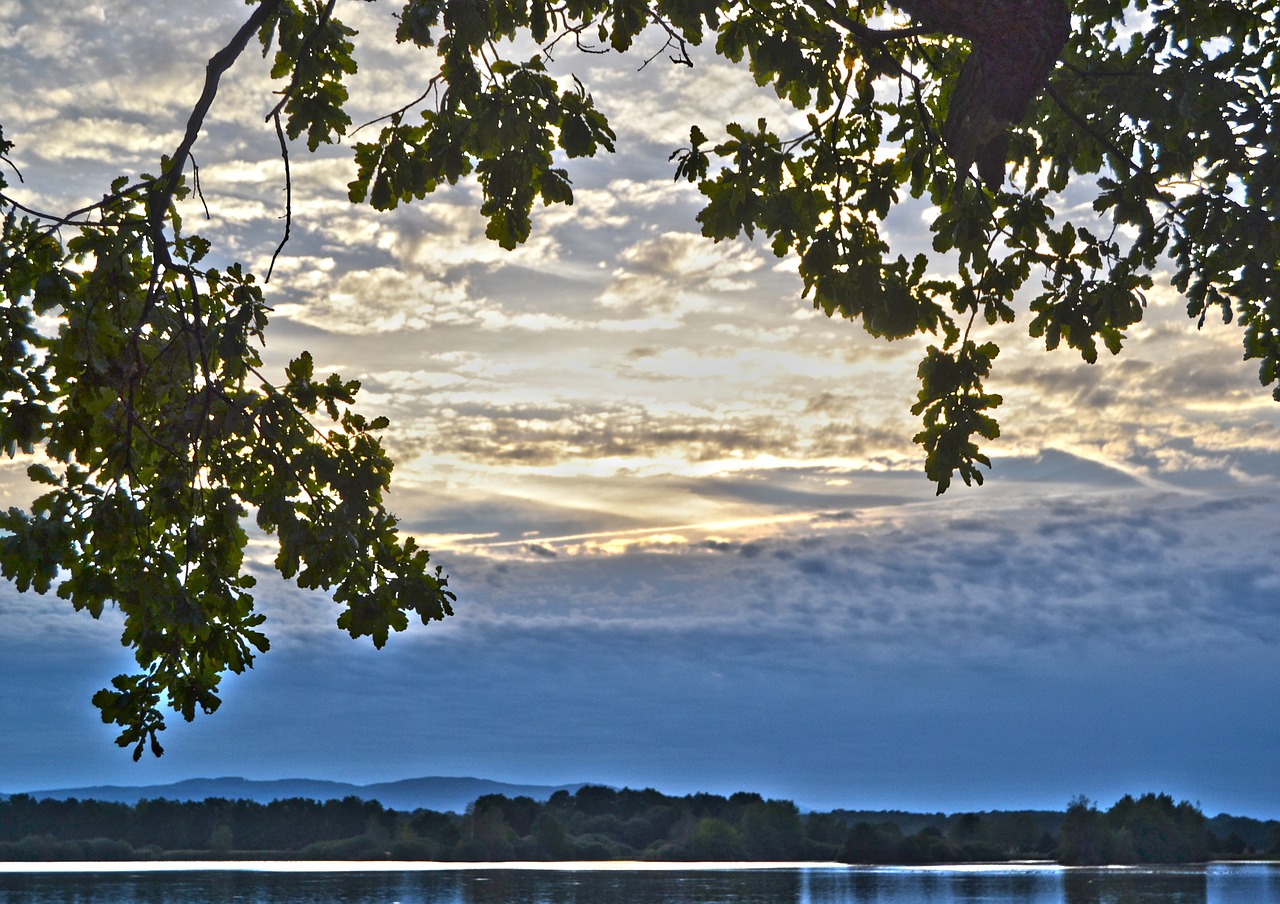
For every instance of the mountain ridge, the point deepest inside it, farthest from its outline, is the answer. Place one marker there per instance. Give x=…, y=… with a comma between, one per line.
x=438, y=792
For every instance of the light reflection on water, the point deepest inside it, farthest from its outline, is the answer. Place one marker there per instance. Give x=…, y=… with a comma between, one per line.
x=667, y=884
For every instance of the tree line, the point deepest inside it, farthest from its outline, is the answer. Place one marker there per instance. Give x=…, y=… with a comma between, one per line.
x=602, y=823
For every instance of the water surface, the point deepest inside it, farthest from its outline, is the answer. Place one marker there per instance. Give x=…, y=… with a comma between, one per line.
x=300, y=883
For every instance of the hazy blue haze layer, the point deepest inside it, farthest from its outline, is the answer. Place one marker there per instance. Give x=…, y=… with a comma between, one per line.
x=1216, y=884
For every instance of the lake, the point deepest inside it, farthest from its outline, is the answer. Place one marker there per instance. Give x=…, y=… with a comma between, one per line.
x=398, y=883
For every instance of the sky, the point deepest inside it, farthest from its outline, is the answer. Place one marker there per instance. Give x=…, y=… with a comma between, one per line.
x=692, y=542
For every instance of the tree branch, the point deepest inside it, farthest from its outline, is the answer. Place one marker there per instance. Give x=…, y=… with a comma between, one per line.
x=288, y=195
x=162, y=191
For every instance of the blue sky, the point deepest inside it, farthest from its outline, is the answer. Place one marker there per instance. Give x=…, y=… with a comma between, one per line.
x=691, y=538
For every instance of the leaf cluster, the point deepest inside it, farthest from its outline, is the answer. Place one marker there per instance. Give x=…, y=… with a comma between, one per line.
x=155, y=438
x=1171, y=120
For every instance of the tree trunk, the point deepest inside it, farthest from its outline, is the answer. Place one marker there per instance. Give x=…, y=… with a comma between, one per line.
x=1015, y=44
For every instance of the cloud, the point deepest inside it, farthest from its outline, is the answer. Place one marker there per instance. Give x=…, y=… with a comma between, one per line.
x=659, y=110
x=384, y=300
x=542, y=436
x=677, y=272
x=1008, y=580
x=552, y=432
x=621, y=203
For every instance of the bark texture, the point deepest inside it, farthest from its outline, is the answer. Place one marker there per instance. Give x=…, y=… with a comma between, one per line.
x=1015, y=44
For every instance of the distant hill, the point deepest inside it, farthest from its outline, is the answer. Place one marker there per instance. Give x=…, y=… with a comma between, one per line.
x=431, y=793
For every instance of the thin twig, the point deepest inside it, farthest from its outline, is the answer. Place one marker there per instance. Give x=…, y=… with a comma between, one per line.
x=1104, y=140
x=431, y=86
x=195, y=175
x=206, y=371
x=13, y=166
x=673, y=37
x=576, y=31
x=1152, y=185
x=288, y=196
x=54, y=222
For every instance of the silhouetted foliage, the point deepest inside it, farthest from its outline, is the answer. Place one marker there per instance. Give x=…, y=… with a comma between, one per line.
x=1150, y=829
x=1254, y=834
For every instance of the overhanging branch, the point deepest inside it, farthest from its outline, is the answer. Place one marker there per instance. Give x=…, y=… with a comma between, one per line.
x=161, y=195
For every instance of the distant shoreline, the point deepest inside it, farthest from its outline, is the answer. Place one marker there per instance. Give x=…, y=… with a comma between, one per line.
x=439, y=866
x=599, y=824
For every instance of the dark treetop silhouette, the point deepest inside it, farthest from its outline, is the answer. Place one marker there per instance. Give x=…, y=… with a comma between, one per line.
x=600, y=823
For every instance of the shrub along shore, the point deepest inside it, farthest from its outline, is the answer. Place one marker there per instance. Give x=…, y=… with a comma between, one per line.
x=601, y=823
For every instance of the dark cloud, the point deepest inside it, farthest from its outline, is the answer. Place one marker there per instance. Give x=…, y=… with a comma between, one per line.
x=814, y=567
x=540, y=435
x=1079, y=571
x=1054, y=466
x=779, y=492
x=1076, y=386
x=845, y=515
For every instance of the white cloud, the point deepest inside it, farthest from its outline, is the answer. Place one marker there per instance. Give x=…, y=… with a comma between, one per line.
x=382, y=300
x=659, y=106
